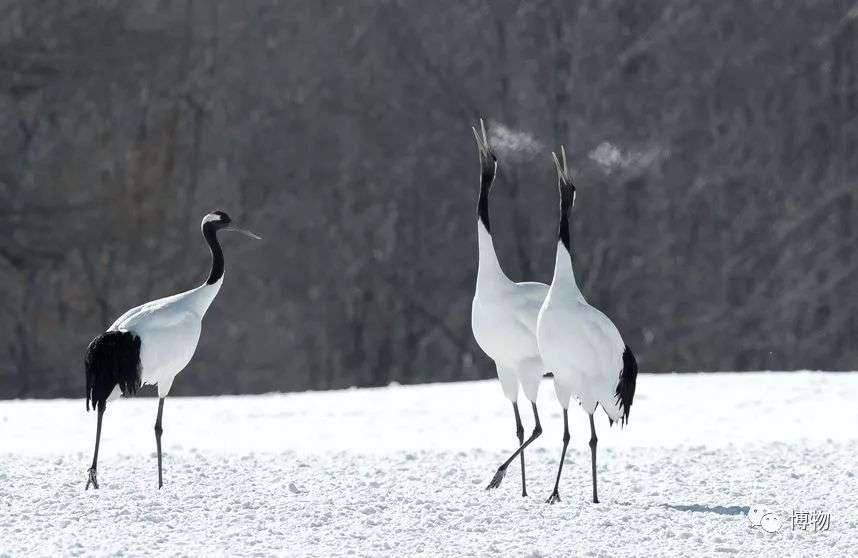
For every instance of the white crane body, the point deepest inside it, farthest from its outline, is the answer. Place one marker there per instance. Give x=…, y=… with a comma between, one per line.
x=503, y=319
x=579, y=344
x=169, y=329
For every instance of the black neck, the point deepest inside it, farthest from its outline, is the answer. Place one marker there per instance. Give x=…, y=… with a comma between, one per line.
x=566, y=201
x=210, y=234
x=483, y=203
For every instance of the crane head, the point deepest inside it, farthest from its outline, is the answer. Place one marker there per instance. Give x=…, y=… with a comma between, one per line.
x=220, y=221
x=488, y=161
x=564, y=179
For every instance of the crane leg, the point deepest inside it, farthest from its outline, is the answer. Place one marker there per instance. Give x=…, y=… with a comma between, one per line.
x=537, y=430
x=158, y=431
x=93, y=477
x=593, y=441
x=519, y=432
x=555, y=496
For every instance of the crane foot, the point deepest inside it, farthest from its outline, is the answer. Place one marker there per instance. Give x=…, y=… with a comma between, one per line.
x=93, y=479
x=497, y=479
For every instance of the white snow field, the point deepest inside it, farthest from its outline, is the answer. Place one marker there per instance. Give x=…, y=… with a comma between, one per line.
x=401, y=471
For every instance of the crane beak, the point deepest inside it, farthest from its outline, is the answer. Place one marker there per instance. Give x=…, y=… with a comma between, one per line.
x=245, y=232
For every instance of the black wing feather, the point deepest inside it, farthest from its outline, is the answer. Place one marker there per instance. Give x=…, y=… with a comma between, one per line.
x=625, y=393
x=112, y=358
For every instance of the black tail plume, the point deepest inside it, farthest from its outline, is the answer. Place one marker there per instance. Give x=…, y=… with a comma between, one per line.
x=626, y=386
x=112, y=358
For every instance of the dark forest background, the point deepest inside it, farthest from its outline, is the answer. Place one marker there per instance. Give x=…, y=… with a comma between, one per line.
x=714, y=146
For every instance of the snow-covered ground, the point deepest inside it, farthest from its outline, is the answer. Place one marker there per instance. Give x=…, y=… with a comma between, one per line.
x=401, y=471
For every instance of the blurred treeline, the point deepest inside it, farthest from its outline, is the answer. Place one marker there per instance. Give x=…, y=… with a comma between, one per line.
x=714, y=144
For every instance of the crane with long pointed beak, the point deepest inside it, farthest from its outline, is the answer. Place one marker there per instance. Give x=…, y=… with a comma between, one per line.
x=579, y=343
x=152, y=343
x=503, y=317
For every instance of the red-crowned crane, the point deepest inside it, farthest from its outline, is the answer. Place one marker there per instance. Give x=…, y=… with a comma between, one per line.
x=581, y=345
x=503, y=317
x=152, y=343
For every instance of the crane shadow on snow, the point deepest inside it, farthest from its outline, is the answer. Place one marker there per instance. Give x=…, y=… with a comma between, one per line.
x=720, y=510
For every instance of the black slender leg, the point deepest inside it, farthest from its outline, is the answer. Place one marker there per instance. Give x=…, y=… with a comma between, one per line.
x=158, y=431
x=93, y=478
x=519, y=431
x=593, y=441
x=555, y=496
x=537, y=430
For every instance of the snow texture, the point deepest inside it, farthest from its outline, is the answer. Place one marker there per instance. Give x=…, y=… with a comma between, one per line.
x=401, y=471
